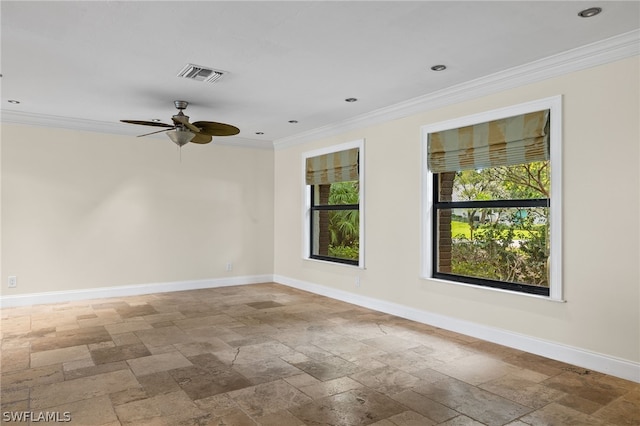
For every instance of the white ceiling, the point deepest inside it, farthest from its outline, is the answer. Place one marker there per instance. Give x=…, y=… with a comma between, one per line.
x=89, y=64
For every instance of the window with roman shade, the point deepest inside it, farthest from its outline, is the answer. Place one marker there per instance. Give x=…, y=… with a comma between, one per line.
x=333, y=181
x=490, y=202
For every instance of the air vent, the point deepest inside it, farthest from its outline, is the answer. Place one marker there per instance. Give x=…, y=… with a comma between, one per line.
x=199, y=73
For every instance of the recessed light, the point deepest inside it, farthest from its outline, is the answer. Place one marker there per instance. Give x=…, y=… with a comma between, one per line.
x=13, y=101
x=438, y=67
x=588, y=13
x=351, y=100
x=293, y=121
x=156, y=120
x=259, y=133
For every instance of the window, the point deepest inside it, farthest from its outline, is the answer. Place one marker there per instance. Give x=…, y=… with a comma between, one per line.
x=334, y=189
x=491, y=219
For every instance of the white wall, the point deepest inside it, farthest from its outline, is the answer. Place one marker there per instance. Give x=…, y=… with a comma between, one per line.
x=601, y=161
x=85, y=210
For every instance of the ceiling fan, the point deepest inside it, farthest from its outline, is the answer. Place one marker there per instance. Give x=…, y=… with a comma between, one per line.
x=182, y=131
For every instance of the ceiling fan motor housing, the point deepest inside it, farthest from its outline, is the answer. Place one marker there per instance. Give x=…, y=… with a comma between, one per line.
x=181, y=104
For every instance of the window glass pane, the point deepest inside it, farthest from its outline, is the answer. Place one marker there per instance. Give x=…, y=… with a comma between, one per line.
x=336, y=233
x=522, y=181
x=503, y=244
x=337, y=193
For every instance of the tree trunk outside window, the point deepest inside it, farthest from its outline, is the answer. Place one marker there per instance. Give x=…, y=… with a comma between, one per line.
x=444, y=222
x=324, y=236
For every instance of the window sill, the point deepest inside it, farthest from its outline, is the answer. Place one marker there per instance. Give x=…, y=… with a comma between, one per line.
x=328, y=262
x=500, y=290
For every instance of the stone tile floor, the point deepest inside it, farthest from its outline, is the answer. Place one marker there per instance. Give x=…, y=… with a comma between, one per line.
x=270, y=355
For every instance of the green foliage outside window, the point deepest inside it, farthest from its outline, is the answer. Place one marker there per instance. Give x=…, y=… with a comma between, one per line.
x=506, y=244
x=344, y=225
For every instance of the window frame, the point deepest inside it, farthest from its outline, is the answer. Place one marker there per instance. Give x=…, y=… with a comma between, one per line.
x=309, y=208
x=326, y=208
x=487, y=282
x=429, y=213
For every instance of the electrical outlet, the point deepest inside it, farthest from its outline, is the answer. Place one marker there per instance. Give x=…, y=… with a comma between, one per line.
x=13, y=281
x=229, y=266
x=357, y=282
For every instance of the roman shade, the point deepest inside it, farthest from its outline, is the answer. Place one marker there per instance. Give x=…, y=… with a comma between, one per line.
x=504, y=142
x=341, y=166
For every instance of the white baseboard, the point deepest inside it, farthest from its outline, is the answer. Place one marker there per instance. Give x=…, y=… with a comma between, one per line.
x=576, y=356
x=127, y=290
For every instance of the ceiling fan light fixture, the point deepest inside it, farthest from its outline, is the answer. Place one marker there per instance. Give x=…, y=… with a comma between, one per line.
x=180, y=136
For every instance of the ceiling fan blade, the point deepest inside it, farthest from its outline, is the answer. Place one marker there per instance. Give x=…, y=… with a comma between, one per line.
x=182, y=119
x=147, y=123
x=216, y=129
x=159, y=131
x=201, y=138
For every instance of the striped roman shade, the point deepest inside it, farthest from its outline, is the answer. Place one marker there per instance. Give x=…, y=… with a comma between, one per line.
x=504, y=142
x=341, y=166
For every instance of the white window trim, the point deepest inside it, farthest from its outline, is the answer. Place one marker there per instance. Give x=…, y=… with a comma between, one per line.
x=306, y=196
x=554, y=104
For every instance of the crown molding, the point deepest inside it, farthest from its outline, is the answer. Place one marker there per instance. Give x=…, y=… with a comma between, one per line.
x=59, y=122
x=84, y=125
x=239, y=142
x=599, y=53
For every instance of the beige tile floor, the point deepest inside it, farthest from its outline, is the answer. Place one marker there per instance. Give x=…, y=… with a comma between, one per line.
x=270, y=355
